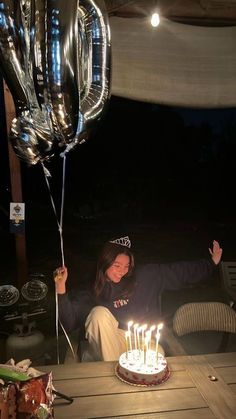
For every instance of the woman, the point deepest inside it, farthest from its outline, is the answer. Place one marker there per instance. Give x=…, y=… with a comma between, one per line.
x=122, y=293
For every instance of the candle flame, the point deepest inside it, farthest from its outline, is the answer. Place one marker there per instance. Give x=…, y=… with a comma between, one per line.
x=130, y=323
x=160, y=326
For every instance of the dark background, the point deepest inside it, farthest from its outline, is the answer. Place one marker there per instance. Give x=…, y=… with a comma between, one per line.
x=164, y=176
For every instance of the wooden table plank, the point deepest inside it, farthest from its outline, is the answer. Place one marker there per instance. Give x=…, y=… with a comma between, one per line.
x=97, y=369
x=221, y=359
x=100, y=369
x=203, y=413
x=123, y=404
x=111, y=385
x=177, y=363
x=233, y=388
x=227, y=373
x=80, y=370
x=217, y=394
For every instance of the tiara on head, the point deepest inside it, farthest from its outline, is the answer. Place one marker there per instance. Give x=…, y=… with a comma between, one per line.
x=123, y=241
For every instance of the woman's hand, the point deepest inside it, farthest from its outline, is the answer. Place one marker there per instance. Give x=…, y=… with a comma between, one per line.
x=60, y=277
x=216, y=252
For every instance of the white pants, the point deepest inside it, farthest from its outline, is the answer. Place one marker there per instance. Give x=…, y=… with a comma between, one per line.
x=106, y=340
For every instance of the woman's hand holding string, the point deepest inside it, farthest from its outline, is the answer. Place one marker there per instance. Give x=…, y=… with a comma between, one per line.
x=60, y=277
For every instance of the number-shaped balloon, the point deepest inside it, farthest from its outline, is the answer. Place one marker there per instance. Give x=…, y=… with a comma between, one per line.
x=56, y=59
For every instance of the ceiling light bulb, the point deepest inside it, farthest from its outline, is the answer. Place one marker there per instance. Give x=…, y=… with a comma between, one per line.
x=155, y=20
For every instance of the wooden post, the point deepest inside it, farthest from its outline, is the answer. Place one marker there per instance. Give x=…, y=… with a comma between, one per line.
x=16, y=190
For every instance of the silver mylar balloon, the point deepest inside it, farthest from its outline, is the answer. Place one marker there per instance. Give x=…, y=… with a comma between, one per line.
x=55, y=63
x=94, y=63
x=55, y=58
x=31, y=137
x=31, y=133
x=11, y=54
x=72, y=64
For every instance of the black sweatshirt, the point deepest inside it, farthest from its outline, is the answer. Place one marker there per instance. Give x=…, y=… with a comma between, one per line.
x=142, y=307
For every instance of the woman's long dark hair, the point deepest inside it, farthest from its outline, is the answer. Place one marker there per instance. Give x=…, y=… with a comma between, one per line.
x=107, y=256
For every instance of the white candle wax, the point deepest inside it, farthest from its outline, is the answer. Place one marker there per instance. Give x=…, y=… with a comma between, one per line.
x=148, y=338
x=148, y=344
x=138, y=337
x=144, y=327
x=126, y=343
x=129, y=339
x=135, y=335
x=145, y=350
x=157, y=341
x=152, y=328
x=160, y=326
x=130, y=323
x=129, y=334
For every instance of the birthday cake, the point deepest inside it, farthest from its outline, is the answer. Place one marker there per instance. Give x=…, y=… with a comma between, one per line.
x=142, y=368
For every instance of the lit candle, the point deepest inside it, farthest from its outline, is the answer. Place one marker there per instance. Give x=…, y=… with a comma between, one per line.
x=135, y=335
x=158, y=334
x=148, y=338
x=129, y=333
x=157, y=342
x=129, y=339
x=145, y=348
x=126, y=343
x=148, y=344
x=129, y=325
x=138, y=337
x=144, y=327
x=160, y=326
x=152, y=328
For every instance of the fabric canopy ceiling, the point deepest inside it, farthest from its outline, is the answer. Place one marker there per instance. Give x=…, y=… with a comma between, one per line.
x=174, y=64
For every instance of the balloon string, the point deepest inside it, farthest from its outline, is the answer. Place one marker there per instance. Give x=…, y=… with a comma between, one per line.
x=62, y=208
x=47, y=174
x=68, y=340
x=59, y=224
x=60, y=228
x=57, y=326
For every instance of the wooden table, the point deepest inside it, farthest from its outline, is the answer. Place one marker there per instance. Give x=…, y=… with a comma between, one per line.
x=188, y=394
